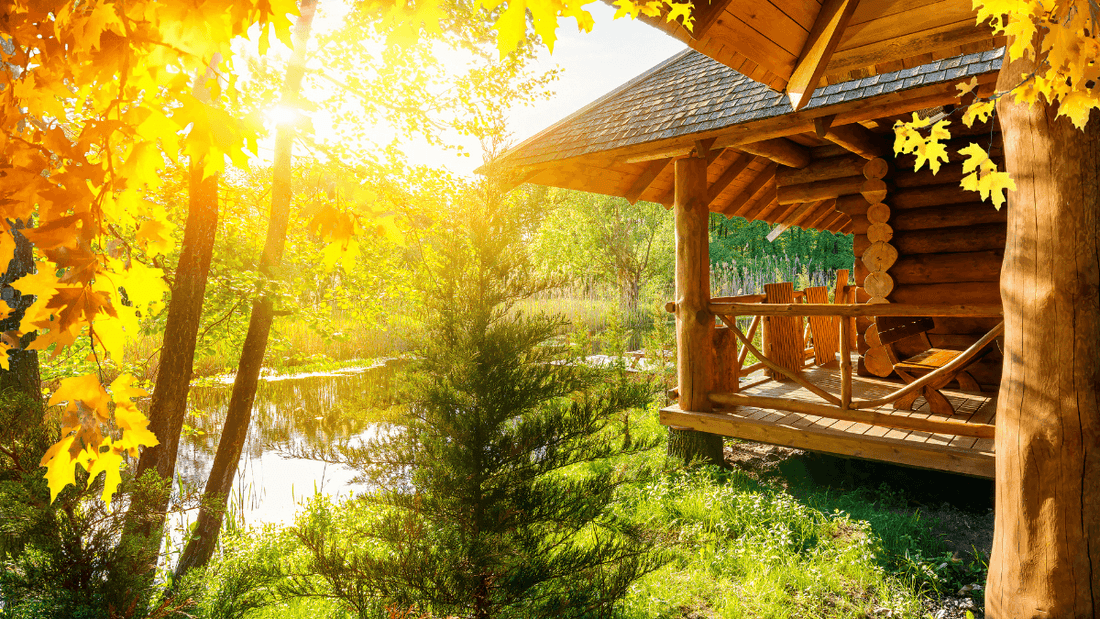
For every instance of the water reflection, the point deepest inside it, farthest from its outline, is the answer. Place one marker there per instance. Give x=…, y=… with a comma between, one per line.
x=297, y=422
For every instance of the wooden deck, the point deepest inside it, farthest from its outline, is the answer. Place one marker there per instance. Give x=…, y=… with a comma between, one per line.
x=945, y=452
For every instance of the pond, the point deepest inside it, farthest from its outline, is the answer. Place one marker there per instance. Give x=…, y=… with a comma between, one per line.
x=297, y=420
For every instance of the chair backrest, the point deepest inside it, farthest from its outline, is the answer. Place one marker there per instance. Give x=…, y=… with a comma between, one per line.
x=894, y=328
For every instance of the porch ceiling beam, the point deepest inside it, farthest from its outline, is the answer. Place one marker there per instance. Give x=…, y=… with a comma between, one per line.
x=781, y=220
x=755, y=185
x=524, y=176
x=780, y=150
x=734, y=170
x=770, y=209
x=830, y=221
x=811, y=207
x=825, y=35
x=759, y=205
x=800, y=212
x=652, y=171
x=856, y=138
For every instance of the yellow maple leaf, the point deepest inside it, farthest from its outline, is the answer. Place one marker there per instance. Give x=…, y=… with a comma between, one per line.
x=626, y=7
x=544, y=16
x=135, y=431
x=111, y=335
x=109, y=463
x=680, y=11
x=978, y=110
x=511, y=27
x=60, y=466
x=975, y=156
x=932, y=152
x=1077, y=106
x=155, y=235
x=983, y=176
x=86, y=389
x=123, y=389
x=966, y=88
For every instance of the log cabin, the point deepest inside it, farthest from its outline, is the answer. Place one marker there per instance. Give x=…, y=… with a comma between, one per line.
x=1047, y=415
x=700, y=138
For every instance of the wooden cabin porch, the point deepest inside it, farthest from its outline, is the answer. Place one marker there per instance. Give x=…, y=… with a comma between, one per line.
x=702, y=139
x=943, y=451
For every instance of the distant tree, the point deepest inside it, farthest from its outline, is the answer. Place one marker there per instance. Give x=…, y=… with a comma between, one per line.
x=606, y=239
x=484, y=506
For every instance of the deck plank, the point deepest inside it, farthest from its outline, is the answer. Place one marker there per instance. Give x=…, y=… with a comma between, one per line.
x=947, y=452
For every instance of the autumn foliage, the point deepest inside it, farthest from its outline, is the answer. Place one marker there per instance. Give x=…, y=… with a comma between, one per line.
x=1062, y=38
x=94, y=98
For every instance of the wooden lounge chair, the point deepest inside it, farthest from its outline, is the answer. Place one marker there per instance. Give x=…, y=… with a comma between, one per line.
x=894, y=329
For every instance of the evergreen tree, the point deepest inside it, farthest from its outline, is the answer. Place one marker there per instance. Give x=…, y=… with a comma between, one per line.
x=486, y=504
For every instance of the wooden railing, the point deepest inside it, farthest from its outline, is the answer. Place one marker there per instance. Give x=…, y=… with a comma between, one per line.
x=846, y=407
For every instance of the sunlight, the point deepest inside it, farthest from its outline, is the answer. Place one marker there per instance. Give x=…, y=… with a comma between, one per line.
x=282, y=115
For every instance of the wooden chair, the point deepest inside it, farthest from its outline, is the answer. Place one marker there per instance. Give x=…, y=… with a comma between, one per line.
x=892, y=330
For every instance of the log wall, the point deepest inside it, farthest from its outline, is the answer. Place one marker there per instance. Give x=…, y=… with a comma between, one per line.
x=950, y=246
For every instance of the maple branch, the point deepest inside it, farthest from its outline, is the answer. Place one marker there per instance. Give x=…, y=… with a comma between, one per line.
x=95, y=355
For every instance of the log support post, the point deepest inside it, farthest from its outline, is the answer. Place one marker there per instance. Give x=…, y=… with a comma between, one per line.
x=695, y=338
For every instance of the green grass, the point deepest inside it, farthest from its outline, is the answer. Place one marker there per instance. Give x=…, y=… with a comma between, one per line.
x=779, y=548
x=745, y=550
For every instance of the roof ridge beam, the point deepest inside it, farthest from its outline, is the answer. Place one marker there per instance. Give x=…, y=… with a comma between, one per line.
x=824, y=37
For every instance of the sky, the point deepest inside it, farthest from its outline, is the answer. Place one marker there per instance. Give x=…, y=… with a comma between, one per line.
x=592, y=64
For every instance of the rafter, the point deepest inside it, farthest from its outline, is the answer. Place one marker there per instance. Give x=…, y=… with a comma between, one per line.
x=736, y=167
x=825, y=35
x=759, y=204
x=856, y=138
x=652, y=171
x=755, y=185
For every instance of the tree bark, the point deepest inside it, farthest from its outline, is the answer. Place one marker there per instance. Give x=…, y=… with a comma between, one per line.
x=1046, y=548
x=22, y=375
x=168, y=406
x=200, y=547
x=696, y=358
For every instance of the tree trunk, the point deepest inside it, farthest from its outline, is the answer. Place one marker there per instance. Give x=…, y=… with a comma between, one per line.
x=1046, y=547
x=200, y=547
x=22, y=375
x=168, y=406
x=694, y=323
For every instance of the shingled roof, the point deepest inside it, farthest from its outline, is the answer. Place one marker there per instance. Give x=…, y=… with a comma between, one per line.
x=690, y=93
x=624, y=144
